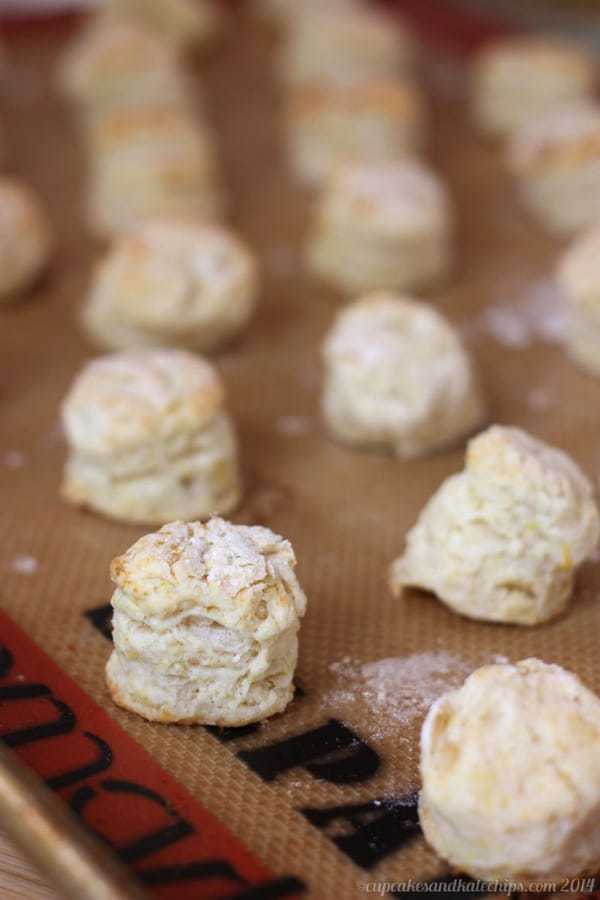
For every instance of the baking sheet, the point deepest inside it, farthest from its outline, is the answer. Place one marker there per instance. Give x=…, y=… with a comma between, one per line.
x=344, y=815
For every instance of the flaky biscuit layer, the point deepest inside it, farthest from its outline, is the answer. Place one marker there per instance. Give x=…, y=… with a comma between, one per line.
x=149, y=438
x=172, y=283
x=152, y=161
x=206, y=621
x=382, y=226
x=501, y=541
x=327, y=124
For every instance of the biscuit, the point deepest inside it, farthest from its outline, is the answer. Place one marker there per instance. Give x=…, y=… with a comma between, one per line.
x=556, y=161
x=172, y=283
x=205, y=627
x=25, y=239
x=356, y=45
x=579, y=277
x=511, y=775
x=149, y=438
x=148, y=162
x=502, y=540
x=372, y=121
x=189, y=24
x=398, y=377
x=516, y=80
x=382, y=226
x=116, y=60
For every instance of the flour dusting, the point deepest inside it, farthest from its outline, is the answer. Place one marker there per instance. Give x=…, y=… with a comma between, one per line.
x=397, y=691
x=538, y=315
x=25, y=565
x=406, y=687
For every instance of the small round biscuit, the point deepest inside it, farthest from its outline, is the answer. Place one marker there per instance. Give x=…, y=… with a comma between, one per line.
x=397, y=376
x=511, y=775
x=116, y=60
x=356, y=45
x=172, y=283
x=373, y=120
x=149, y=438
x=382, y=226
x=25, y=239
x=579, y=276
x=148, y=162
x=556, y=160
x=205, y=626
x=190, y=24
x=516, y=80
x=502, y=540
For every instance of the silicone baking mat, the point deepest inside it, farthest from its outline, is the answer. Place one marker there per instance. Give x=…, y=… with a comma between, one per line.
x=321, y=801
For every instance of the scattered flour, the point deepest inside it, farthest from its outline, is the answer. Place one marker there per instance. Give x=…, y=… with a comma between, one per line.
x=538, y=315
x=406, y=687
x=14, y=459
x=397, y=691
x=392, y=696
x=506, y=325
x=293, y=426
x=25, y=565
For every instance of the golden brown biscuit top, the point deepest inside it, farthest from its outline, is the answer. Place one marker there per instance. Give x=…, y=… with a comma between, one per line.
x=123, y=401
x=239, y=576
x=511, y=455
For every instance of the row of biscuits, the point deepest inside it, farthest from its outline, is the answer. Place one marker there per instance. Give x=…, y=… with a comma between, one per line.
x=356, y=123
x=505, y=795
x=356, y=127
x=151, y=440
x=130, y=91
x=540, y=96
x=150, y=437
x=206, y=615
x=149, y=152
x=173, y=274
